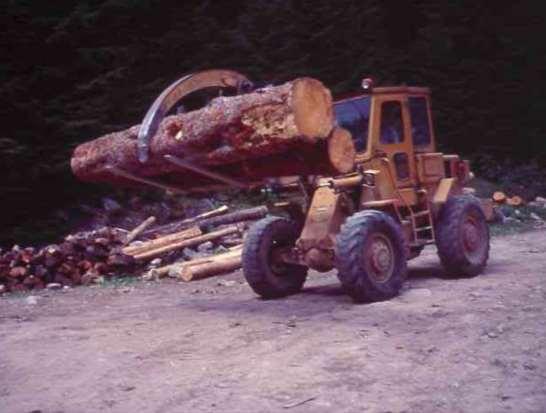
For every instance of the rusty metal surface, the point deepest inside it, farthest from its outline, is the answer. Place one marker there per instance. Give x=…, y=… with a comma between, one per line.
x=325, y=215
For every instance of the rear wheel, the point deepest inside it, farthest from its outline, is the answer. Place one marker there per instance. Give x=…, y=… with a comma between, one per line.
x=265, y=272
x=462, y=237
x=371, y=256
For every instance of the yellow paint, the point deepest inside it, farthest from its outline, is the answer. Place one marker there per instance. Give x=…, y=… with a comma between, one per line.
x=443, y=191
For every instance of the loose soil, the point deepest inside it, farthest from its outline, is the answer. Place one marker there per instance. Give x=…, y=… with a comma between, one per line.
x=464, y=345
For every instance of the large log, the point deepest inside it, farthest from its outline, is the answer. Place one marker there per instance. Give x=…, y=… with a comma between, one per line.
x=213, y=265
x=275, y=131
x=178, y=268
x=231, y=218
x=178, y=244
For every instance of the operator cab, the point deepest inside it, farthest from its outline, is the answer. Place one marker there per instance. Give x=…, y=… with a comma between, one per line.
x=385, y=116
x=391, y=127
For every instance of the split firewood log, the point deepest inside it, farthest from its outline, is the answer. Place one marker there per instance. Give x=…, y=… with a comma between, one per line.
x=68, y=263
x=275, y=131
x=499, y=197
x=514, y=201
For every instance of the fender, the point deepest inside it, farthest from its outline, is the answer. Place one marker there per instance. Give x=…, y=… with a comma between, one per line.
x=446, y=187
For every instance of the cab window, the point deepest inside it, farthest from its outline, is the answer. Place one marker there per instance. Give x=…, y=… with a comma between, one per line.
x=420, y=130
x=354, y=115
x=391, y=123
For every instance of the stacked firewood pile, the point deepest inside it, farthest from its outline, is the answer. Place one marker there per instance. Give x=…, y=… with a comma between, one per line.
x=500, y=197
x=90, y=257
x=82, y=258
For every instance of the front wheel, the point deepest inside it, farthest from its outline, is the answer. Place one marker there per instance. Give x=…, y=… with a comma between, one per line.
x=462, y=237
x=263, y=267
x=371, y=256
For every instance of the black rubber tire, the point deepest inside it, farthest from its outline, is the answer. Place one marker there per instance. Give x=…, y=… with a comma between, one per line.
x=351, y=243
x=450, y=237
x=265, y=280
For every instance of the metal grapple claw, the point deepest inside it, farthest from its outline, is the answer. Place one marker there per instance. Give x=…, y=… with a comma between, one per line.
x=177, y=91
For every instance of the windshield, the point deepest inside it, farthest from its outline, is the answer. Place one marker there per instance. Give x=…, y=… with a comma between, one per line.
x=354, y=115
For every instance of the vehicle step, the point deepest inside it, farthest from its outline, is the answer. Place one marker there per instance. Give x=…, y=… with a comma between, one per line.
x=419, y=229
x=421, y=213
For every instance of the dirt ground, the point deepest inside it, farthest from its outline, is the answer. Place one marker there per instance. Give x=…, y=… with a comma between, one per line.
x=466, y=345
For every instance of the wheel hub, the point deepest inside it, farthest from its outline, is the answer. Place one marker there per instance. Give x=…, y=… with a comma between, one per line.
x=380, y=257
x=471, y=235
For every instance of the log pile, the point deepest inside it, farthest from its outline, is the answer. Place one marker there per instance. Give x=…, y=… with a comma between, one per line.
x=82, y=258
x=500, y=197
x=90, y=257
x=192, y=232
x=275, y=131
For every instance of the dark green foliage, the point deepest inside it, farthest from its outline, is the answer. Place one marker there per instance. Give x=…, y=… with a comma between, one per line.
x=73, y=70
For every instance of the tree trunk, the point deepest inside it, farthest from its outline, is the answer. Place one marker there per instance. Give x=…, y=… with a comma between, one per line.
x=207, y=267
x=178, y=244
x=231, y=218
x=162, y=241
x=270, y=132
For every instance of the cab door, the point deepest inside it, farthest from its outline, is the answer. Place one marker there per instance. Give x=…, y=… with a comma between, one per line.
x=392, y=136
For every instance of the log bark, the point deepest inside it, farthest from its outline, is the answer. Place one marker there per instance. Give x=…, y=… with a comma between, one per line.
x=162, y=241
x=186, y=243
x=271, y=132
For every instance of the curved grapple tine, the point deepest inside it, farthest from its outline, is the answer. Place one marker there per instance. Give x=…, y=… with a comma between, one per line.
x=176, y=91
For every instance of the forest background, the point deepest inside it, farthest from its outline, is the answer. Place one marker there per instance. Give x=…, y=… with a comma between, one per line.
x=73, y=70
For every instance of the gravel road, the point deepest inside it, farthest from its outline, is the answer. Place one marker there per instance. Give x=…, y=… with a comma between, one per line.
x=465, y=345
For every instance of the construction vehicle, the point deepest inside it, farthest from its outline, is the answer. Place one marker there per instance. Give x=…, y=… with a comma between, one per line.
x=401, y=196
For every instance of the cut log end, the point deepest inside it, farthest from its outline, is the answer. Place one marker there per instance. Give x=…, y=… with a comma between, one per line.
x=341, y=151
x=312, y=107
x=499, y=197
